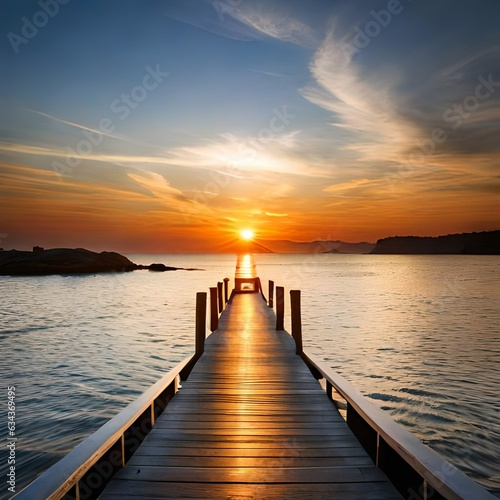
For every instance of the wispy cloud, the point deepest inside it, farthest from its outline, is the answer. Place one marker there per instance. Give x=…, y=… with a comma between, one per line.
x=243, y=21
x=278, y=24
x=271, y=214
x=267, y=73
x=226, y=154
x=211, y=16
x=361, y=104
x=240, y=157
x=156, y=194
x=11, y=147
x=447, y=99
x=78, y=126
x=27, y=149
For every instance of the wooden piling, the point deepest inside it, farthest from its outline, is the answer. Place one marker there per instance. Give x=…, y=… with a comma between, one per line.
x=280, y=308
x=219, y=296
x=271, y=294
x=214, y=315
x=296, y=319
x=200, y=334
x=201, y=322
x=226, y=290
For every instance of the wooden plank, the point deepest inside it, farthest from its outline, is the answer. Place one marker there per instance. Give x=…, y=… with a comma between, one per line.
x=266, y=474
x=225, y=462
x=182, y=451
x=250, y=421
x=343, y=491
x=182, y=418
x=255, y=443
x=232, y=425
x=245, y=433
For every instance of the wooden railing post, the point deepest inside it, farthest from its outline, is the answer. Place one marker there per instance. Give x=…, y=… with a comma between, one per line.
x=259, y=286
x=201, y=322
x=296, y=319
x=219, y=295
x=226, y=290
x=280, y=308
x=214, y=315
x=329, y=389
x=271, y=294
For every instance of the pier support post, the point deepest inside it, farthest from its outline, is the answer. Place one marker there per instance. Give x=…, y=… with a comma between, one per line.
x=226, y=290
x=219, y=295
x=296, y=319
x=201, y=322
x=199, y=337
x=214, y=315
x=271, y=294
x=280, y=308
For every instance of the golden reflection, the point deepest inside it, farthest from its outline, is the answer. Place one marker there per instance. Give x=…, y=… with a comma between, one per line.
x=245, y=278
x=245, y=266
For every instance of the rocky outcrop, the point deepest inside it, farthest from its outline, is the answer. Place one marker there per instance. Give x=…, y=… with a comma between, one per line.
x=62, y=261
x=161, y=268
x=41, y=262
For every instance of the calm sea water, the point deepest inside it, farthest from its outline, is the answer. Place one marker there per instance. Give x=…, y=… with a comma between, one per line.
x=419, y=335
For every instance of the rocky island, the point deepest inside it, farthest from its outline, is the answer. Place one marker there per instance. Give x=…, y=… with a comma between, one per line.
x=41, y=262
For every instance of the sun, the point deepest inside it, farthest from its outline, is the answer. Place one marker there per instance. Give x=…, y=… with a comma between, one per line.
x=247, y=234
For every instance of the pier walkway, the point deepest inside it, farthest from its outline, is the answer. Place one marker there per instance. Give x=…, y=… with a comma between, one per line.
x=250, y=422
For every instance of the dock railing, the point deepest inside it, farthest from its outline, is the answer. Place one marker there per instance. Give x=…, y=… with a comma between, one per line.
x=416, y=471
x=86, y=470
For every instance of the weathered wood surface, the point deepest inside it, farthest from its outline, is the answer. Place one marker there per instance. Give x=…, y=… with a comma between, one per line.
x=250, y=422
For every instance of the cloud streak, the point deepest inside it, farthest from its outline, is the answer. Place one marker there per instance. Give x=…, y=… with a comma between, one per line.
x=78, y=126
x=360, y=104
x=279, y=25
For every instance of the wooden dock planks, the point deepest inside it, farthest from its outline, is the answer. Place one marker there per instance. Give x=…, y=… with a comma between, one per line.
x=250, y=422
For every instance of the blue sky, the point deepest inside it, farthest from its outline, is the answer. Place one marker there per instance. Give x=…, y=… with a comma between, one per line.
x=163, y=125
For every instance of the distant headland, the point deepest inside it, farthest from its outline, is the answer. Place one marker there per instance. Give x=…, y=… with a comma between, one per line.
x=484, y=243
x=69, y=261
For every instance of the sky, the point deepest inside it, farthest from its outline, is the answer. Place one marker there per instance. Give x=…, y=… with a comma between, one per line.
x=169, y=125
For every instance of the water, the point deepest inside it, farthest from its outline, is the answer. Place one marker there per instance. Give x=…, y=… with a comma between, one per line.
x=419, y=335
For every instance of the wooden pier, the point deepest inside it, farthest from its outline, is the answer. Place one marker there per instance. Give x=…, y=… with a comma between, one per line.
x=251, y=421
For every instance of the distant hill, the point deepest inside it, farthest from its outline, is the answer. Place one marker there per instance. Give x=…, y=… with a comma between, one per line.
x=484, y=243
x=240, y=246
x=318, y=246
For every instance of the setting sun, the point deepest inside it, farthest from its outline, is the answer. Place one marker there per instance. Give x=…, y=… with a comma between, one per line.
x=247, y=234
